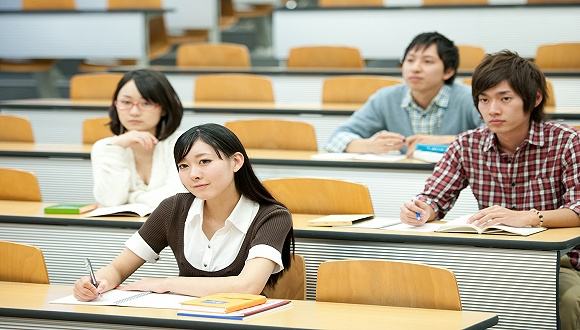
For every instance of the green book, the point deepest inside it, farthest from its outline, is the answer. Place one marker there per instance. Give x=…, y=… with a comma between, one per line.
x=69, y=208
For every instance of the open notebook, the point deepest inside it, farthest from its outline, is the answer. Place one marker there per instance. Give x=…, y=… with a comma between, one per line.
x=130, y=299
x=460, y=225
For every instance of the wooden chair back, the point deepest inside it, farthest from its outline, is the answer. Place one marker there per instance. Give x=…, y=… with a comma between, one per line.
x=15, y=129
x=274, y=134
x=94, y=86
x=454, y=2
x=48, y=5
x=325, y=57
x=354, y=89
x=550, y=102
x=350, y=3
x=22, y=263
x=470, y=56
x=95, y=129
x=292, y=284
x=213, y=55
x=387, y=283
x=19, y=185
x=233, y=88
x=132, y=4
x=321, y=196
x=560, y=56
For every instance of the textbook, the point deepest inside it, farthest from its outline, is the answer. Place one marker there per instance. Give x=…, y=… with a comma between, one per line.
x=223, y=302
x=118, y=297
x=460, y=225
x=430, y=153
x=131, y=210
x=338, y=220
x=69, y=208
x=238, y=315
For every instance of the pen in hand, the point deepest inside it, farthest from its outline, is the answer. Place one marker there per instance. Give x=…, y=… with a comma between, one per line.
x=418, y=216
x=91, y=273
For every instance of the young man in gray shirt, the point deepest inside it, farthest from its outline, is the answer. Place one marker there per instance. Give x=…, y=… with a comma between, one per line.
x=429, y=108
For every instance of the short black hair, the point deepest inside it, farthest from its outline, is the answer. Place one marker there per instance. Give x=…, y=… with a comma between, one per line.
x=523, y=76
x=226, y=144
x=153, y=87
x=446, y=50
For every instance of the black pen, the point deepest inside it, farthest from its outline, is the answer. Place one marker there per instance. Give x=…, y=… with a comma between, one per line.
x=91, y=273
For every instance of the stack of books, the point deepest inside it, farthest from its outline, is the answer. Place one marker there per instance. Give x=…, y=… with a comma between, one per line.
x=233, y=306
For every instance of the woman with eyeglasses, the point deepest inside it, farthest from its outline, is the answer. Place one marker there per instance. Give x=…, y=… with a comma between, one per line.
x=136, y=164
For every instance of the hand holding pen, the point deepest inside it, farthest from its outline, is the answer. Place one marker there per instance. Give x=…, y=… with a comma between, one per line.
x=88, y=288
x=416, y=213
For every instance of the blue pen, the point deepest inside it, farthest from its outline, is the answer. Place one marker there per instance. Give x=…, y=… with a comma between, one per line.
x=418, y=216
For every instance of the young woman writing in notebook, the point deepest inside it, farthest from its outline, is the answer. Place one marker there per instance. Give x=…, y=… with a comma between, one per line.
x=228, y=233
x=134, y=165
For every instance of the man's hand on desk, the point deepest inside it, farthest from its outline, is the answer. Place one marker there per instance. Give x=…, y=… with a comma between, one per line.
x=380, y=142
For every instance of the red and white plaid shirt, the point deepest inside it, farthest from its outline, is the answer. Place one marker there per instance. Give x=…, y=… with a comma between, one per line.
x=543, y=173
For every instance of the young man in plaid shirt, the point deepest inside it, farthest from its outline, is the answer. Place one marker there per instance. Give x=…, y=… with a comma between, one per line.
x=523, y=171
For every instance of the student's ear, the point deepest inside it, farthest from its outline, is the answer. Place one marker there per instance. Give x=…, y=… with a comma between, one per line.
x=448, y=74
x=538, y=98
x=238, y=160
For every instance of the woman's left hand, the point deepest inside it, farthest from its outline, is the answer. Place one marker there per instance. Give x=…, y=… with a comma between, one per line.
x=496, y=214
x=157, y=285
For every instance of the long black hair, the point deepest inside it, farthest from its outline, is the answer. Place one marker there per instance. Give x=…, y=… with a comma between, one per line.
x=226, y=144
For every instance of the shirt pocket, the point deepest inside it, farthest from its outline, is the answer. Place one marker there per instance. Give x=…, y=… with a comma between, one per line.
x=544, y=193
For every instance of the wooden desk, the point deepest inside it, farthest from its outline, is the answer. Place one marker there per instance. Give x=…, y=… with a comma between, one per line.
x=60, y=120
x=305, y=85
x=20, y=302
x=65, y=174
x=379, y=32
x=514, y=277
x=76, y=34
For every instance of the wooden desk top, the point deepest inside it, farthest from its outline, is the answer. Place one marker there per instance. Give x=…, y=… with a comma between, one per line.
x=31, y=301
x=551, y=240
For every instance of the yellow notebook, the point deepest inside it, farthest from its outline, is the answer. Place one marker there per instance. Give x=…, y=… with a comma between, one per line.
x=223, y=302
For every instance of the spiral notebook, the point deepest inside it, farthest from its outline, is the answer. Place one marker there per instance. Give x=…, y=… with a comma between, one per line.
x=130, y=299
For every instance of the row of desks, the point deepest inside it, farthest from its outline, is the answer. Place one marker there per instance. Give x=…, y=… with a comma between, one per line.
x=60, y=120
x=293, y=86
x=30, y=303
x=513, y=277
x=382, y=33
x=65, y=173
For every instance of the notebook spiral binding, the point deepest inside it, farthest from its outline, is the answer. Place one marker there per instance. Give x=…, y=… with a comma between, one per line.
x=125, y=300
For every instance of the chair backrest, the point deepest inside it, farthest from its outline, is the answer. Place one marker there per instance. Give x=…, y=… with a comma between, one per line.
x=350, y=3
x=454, y=2
x=470, y=56
x=22, y=263
x=387, y=283
x=325, y=57
x=354, y=89
x=274, y=134
x=131, y=4
x=19, y=185
x=558, y=56
x=292, y=284
x=94, y=86
x=233, y=88
x=48, y=5
x=321, y=196
x=15, y=129
x=95, y=129
x=551, y=102
x=213, y=55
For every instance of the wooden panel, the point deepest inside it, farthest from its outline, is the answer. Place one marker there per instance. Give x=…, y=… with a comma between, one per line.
x=15, y=129
x=234, y=87
x=325, y=57
x=19, y=185
x=213, y=55
x=354, y=89
x=274, y=134
x=22, y=263
x=94, y=86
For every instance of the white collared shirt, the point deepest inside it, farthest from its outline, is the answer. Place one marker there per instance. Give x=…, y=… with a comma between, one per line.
x=222, y=249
